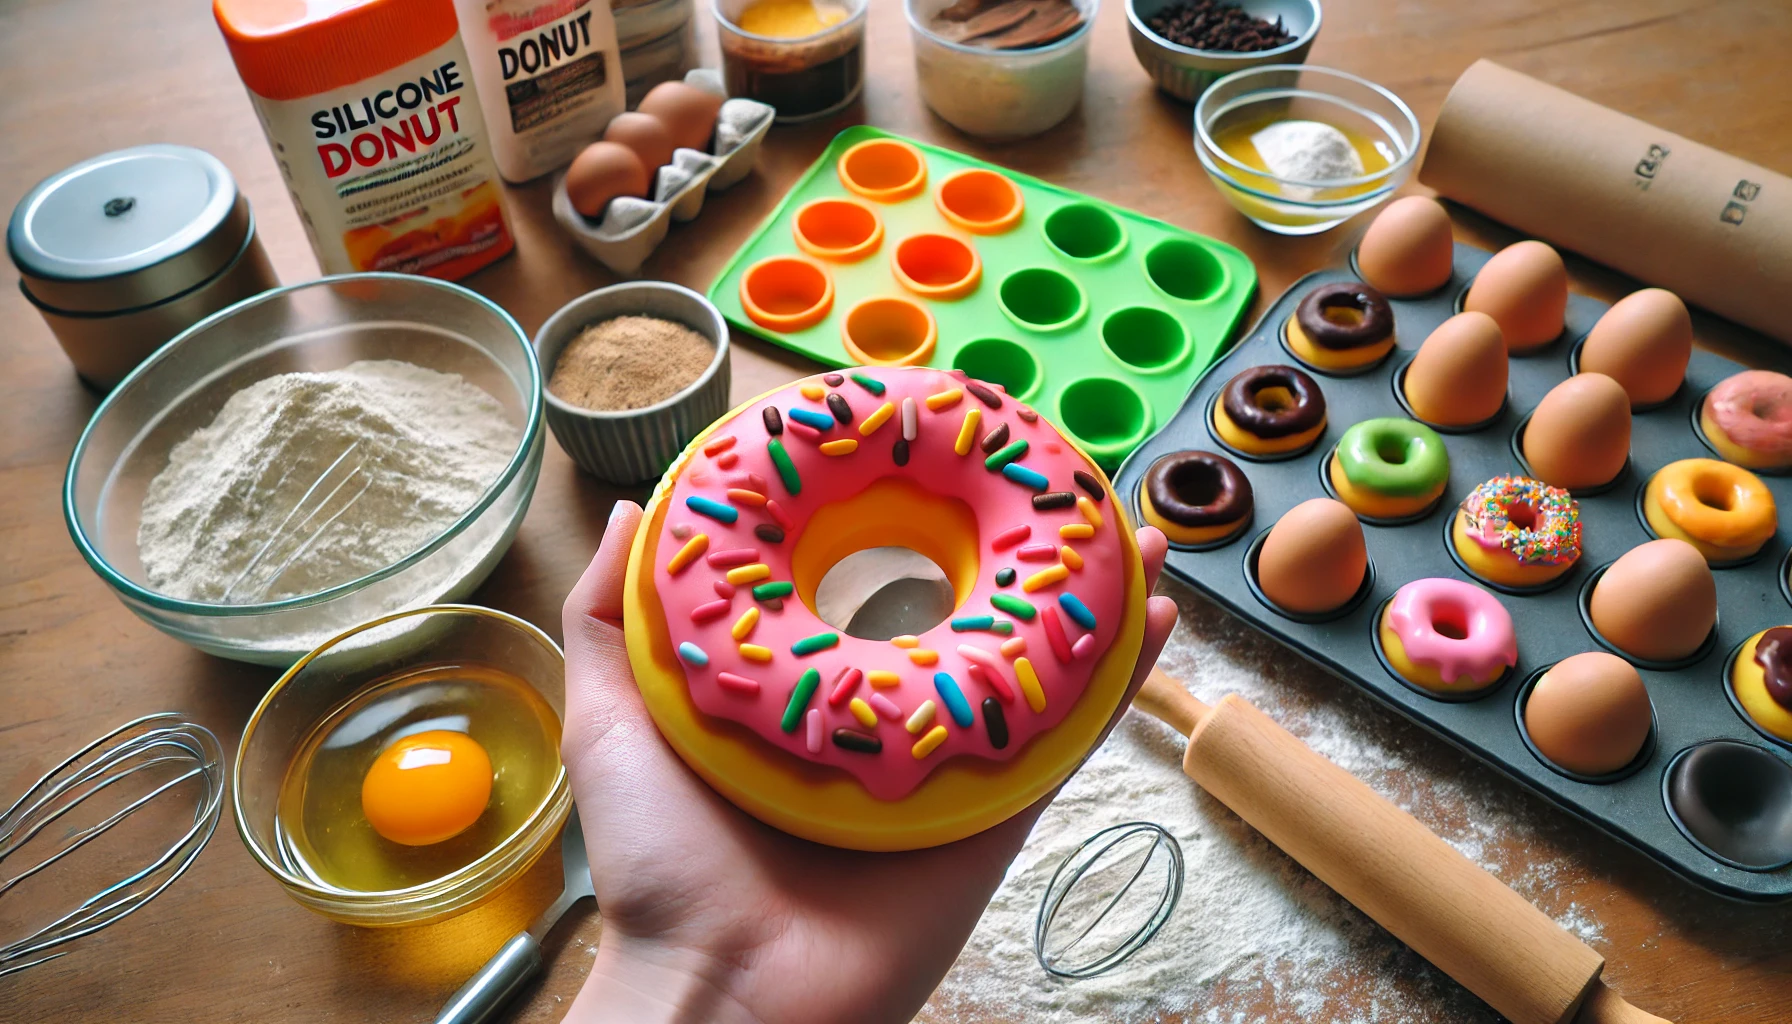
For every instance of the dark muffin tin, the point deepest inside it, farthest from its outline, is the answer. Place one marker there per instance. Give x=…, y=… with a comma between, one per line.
x=1735, y=835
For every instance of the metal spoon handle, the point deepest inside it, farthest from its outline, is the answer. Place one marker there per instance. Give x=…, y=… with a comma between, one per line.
x=509, y=969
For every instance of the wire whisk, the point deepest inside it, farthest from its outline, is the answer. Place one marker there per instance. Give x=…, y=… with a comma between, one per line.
x=1101, y=860
x=174, y=752
x=330, y=496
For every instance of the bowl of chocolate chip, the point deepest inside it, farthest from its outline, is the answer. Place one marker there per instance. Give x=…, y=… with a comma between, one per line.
x=1187, y=45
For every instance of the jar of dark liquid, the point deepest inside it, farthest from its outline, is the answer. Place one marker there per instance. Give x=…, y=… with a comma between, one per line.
x=804, y=58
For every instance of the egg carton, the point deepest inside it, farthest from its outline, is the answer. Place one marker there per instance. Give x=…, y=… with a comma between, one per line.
x=1693, y=704
x=632, y=228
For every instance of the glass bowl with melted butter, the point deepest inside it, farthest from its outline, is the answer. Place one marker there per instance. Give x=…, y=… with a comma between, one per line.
x=408, y=769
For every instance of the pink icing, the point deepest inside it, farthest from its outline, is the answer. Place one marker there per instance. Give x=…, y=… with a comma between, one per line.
x=1490, y=641
x=981, y=663
x=1754, y=410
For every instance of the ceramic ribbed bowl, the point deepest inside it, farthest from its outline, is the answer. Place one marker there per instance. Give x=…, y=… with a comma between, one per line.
x=1185, y=73
x=635, y=445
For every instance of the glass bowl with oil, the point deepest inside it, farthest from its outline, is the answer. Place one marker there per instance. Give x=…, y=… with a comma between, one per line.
x=1251, y=123
x=408, y=769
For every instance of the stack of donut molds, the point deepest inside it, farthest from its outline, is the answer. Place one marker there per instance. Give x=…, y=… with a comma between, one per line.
x=1693, y=704
x=631, y=228
x=893, y=252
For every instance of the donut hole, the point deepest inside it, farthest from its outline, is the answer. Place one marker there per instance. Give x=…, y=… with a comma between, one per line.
x=1197, y=484
x=1714, y=493
x=1391, y=452
x=1450, y=621
x=1274, y=399
x=1342, y=313
x=1521, y=514
x=884, y=592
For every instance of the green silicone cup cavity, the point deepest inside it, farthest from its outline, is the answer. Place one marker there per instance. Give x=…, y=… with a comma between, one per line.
x=1000, y=361
x=1185, y=270
x=1084, y=231
x=1041, y=299
x=1108, y=418
x=1145, y=339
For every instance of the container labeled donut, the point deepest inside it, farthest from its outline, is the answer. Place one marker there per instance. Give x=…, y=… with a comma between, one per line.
x=1547, y=532
x=884, y=743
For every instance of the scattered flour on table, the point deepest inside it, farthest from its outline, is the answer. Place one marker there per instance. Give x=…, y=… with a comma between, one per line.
x=426, y=445
x=1254, y=937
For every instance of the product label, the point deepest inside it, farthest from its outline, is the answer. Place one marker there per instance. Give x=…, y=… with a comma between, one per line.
x=548, y=60
x=393, y=173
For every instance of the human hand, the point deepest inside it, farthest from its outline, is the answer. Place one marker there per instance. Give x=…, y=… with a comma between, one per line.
x=710, y=915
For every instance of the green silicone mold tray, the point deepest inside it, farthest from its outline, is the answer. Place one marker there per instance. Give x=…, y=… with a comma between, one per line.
x=1098, y=316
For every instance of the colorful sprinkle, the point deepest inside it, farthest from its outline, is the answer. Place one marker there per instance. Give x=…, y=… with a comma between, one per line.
x=1006, y=455
x=805, y=431
x=754, y=652
x=743, y=626
x=813, y=392
x=971, y=623
x=1076, y=531
x=967, y=431
x=983, y=394
x=1004, y=576
x=899, y=452
x=681, y=531
x=992, y=679
x=921, y=719
x=732, y=557
x=1036, y=553
x=811, y=418
x=713, y=509
x=858, y=742
x=1045, y=578
x=929, y=743
x=906, y=640
x=881, y=678
x=1027, y=415
x=884, y=706
x=945, y=399
x=1014, y=606
x=911, y=421
x=750, y=481
x=1054, y=500
x=1002, y=626
x=953, y=698
x=687, y=554
x=862, y=711
x=769, y=533
x=690, y=652
x=1089, y=511
x=749, y=574
x=877, y=419
x=842, y=446
x=774, y=423
x=723, y=588
x=773, y=604
x=1078, y=611
x=786, y=468
x=1014, y=647
x=813, y=733
x=833, y=380
x=739, y=684
x=1071, y=560
x=810, y=644
x=1084, y=646
x=776, y=511
x=994, y=439
x=1026, y=478
x=1054, y=633
x=844, y=684
x=1088, y=483
x=799, y=699
x=923, y=656
x=837, y=405
x=995, y=723
x=1029, y=684
x=768, y=591
x=719, y=445
x=727, y=460
x=1010, y=537
x=742, y=496
x=709, y=610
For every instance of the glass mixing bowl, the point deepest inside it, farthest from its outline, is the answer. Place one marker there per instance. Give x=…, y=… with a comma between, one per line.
x=324, y=324
x=329, y=677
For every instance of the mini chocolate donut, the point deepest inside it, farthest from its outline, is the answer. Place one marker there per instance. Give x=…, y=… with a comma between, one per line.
x=1196, y=497
x=1240, y=399
x=1373, y=324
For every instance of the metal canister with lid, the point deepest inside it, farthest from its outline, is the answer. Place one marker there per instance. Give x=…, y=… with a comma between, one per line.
x=122, y=252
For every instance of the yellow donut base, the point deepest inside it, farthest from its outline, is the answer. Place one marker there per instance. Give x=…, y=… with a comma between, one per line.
x=1334, y=359
x=1426, y=676
x=1733, y=452
x=1191, y=535
x=1749, y=682
x=1713, y=531
x=1365, y=502
x=960, y=798
x=1230, y=432
x=1496, y=565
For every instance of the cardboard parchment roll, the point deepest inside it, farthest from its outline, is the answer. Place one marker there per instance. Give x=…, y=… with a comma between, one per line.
x=1668, y=211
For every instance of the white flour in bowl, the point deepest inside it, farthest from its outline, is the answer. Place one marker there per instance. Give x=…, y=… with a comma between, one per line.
x=304, y=481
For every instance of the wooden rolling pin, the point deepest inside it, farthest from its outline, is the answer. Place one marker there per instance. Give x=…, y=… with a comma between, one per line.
x=1449, y=910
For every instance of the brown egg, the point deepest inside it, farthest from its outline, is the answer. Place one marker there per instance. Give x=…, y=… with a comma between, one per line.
x=1589, y=713
x=1314, y=558
x=1408, y=248
x=1525, y=289
x=601, y=172
x=1643, y=342
x=688, y=112
x=645, y=134
x=1657, y=602
x=1579, y=434
x=1458, y=377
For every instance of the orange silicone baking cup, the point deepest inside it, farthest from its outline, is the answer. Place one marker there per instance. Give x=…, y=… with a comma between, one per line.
x=883, y=170
x=889, y=331
x=786, y=293
x=840, y=230
x=937, y=266
x=980, y=201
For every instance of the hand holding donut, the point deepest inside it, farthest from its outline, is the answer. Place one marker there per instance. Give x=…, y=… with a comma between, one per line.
x=709, y=914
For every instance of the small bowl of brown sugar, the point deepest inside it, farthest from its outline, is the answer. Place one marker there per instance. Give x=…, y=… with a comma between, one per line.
x=1187, y=45
x=634, y=370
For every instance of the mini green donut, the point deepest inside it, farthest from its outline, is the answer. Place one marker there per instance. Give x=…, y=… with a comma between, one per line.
x=1389, y=468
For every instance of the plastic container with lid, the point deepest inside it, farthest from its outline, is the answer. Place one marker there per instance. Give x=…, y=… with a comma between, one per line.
x=375, y=122
x=124, y=251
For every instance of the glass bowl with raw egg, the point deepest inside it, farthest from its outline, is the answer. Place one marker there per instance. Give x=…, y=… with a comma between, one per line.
x=409, y=769
x=1300, y=149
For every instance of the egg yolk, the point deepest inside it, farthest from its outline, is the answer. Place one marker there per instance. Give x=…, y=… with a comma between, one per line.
x=427, y=787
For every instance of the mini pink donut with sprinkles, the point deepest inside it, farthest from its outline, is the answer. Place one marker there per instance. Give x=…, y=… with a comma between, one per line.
x=884, y=744
x=1517, y=532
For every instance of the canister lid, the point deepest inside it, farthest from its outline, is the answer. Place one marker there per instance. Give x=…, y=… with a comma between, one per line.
x=128, y=228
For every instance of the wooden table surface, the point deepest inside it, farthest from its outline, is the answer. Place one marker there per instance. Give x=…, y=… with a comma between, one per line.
x=78, y=77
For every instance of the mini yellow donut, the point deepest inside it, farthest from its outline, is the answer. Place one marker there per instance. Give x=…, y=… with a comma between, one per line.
x=1748, y=679
x=1233, y=435
x=1479, y=649
x=1379, y=506
x=1196, y=497
x=1334, y=359
x=1724, y=511
x=1517, y=532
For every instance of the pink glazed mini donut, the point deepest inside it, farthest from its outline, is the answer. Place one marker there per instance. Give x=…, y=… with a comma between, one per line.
x=1748, y=419
x=1448, y=636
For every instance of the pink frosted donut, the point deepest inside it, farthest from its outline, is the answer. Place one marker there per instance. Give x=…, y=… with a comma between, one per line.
x=1447, y=635
x=1748, y=419
x=833, y=736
